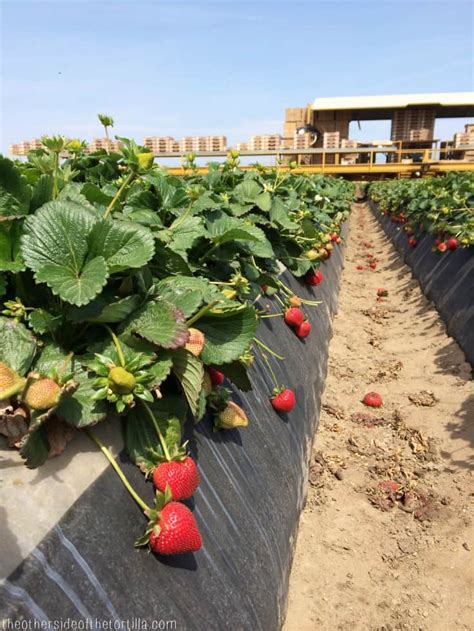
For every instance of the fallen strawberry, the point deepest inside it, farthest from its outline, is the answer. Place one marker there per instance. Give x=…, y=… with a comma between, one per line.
x=181, y=475
x=360, y=267
x=373, y=400
x=294, y=316
x=412, y=242
x=452, y=243
x=195, y=343
x=382, y=292
x=303, y=329
x=284, y=401
x=373, y=265
x=314, y=277
x=442, y=247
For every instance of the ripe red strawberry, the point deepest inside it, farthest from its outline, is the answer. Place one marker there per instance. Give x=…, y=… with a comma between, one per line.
x=284, y=401
x=294, y=316
x=452, y=243
x=360, y=267
x=334, y=237
x=412, y=242
x=437, y=242
x=373, y=400
x=217, y=377
x=303, y=330
x=373, y=265
x=442, y=247
x=382, y=292
x=195, y=344
x=313, y=277
x=338, y=240
x=181, y=475
x=176, y=531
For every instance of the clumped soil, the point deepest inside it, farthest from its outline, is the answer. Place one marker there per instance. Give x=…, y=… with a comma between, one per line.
x=386, y=538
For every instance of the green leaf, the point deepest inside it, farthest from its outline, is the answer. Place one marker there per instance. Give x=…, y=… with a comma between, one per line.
x=17, y=345
x=43, y=322
x=14, y=190
x=279, y=215
x=55, y=246
x=159, y=322
x=190, y=373
x=228, y=334
x=34, y=448
x=79, y=409
x=160, y=369
x=10, y=255
x=42, y=192
x=141, y=439
x=95, y=195
x=119, y=310
x=248, y=190
x=264, y=201
x=186, y=292
x=184, y=237
x=54, y=359
x=237, y=373
x=122, y=244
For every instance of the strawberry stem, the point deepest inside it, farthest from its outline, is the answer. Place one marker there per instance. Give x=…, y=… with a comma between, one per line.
x=269, y=350
x=202, y=311
x=271, y=315
x=118, y=470
x=118, y=346
x=288, y=291
x=126, y=182
x=273, y=376
x=157, y=429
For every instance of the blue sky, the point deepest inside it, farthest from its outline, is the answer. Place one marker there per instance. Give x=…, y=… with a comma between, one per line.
x=179, y=68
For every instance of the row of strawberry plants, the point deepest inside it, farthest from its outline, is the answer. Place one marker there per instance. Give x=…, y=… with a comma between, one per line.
x=130, y=292
x=441, y=206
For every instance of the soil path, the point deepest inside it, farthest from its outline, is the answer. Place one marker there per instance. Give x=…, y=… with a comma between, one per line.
x=386, y=538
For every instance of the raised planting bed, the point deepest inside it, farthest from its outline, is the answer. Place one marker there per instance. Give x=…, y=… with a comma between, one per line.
x=253, y=485
x=446, y=278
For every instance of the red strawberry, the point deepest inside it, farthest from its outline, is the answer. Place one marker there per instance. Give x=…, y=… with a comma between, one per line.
x=373, y=400
x=442, y=247
x=437, y=242
x=452, y=243
x=338, y=240
x=217, y=377
x=314, y=277
x=181, y=475
x=176, y=531
x=294, y=316
x=334, y=237
x=412, y=242
x=373, y=265
x=284, y=401
x=303, y=330
x=382, y=292
x=360, y=267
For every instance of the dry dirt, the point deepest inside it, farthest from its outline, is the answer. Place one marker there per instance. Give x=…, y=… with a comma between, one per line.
x=386, y=537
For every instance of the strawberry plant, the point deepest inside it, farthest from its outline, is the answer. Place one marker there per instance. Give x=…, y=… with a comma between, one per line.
x=441, y=206
x=130, y=292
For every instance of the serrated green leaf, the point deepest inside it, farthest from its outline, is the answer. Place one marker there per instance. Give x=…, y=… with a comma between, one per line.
x=184, y=236
x=34, y=448
x=237, y=373
x=119, y=310
x=160, y=369
x=10, y=255
x=95, y=195
x=42, y=192
x=43, y=322
x=54, y=359
x=190, y=373
x=123, y=245
x=227, y=335
x=17, y=345
x=79, y=409
x=55, y=246
x=159, y=322
x=248, y=190
x=187, y=293
x=279, y=215
x=14, y=190
x=264, y=201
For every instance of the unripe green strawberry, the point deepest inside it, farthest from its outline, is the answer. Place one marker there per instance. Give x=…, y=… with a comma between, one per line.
x=10, y=382
x=195, y=344
x=121, y=381
x=232, y=416
x=43, y=394
x=145, y=160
